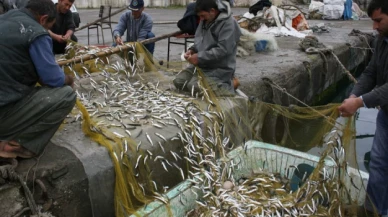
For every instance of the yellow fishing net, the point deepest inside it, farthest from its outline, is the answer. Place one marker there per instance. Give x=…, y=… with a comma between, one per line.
x=158, y=136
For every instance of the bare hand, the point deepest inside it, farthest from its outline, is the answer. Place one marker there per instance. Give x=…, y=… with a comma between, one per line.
x=188, y=54
x=350, y=106
x=69, y=80
x=66, y=37
x=60, y=39
x=119, y=41
x=193, y=59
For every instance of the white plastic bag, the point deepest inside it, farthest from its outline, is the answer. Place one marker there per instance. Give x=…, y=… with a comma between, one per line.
x=333, y=12
x=316, y=5
x=334, y=2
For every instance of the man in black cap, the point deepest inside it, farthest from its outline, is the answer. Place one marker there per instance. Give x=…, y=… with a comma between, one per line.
x=137, y=24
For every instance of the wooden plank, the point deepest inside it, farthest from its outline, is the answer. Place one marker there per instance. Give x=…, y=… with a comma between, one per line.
x=114, y=50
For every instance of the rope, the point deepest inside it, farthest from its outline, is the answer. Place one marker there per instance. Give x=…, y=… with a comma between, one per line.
x=8, y=172
x=311, y=45
x=330, y=120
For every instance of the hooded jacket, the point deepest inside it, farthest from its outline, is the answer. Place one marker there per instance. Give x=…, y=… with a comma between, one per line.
x=216, y=45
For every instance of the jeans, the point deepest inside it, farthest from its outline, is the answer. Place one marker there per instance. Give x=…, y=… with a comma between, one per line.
x=150, y=47
x=377, y=189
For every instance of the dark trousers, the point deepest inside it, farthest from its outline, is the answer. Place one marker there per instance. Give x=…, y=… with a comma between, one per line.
x=377, y=189
x=187, y=80
x=33, y=120
x=151, y=46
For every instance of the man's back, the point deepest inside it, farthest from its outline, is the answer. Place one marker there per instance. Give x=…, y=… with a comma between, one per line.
x=189, y=23
x=17, y=70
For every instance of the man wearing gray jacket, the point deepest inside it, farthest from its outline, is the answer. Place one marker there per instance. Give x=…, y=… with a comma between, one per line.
x=214, y=49
x=137, y=24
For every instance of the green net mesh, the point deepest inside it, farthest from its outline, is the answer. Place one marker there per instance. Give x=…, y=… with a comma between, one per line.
x=158, y=136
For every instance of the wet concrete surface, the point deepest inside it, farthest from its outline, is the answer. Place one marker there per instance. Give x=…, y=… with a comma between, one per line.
x=90, y=174
x=289, y=62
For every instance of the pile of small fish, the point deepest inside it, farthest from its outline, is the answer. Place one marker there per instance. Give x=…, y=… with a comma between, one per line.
x=123, y=103
x=267, y=194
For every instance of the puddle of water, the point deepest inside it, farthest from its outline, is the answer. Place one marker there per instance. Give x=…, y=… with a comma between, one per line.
x=365, y=128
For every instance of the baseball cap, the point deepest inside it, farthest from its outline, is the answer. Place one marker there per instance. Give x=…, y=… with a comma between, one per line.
x=136, y=5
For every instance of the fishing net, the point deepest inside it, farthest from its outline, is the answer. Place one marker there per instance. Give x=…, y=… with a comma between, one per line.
x=158, y=136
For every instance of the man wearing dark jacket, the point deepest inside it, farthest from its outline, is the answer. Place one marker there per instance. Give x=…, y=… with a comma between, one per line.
x=190, y=20
x=214, y=49
x=64, y=26
x=30, y=115
x=372, y=91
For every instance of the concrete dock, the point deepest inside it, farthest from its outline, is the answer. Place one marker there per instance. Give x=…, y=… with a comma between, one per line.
x=79, y=174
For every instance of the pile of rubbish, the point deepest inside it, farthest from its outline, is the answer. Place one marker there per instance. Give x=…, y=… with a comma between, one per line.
x=282, y=20
x=335, y=10
x=269, y=19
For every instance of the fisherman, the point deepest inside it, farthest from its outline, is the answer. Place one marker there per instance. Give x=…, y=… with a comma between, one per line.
x=137, y=24
x=372, y=91
x=64, y=26
x=29, y=114
x=214, y=49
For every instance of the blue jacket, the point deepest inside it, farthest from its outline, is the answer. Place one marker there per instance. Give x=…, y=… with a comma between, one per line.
x=137, y=29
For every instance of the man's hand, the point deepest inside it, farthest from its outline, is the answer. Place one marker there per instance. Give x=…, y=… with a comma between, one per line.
x=56, y=37
x=66, y=37
x=350, y=106
x=59, y=38
x=69, y=80
x=118, y=40
x=188, y=54
x=193, y=59
x=352, y=96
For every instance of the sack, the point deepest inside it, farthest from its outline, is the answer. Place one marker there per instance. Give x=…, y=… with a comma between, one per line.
x=334, y=2
x=259, y=6
x=333, y=12
x=188, y=25
x=348, y=10
x=316, y=6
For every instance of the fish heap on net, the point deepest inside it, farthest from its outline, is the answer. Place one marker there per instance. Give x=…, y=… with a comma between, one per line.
x=269, y=194
x=120, y=102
